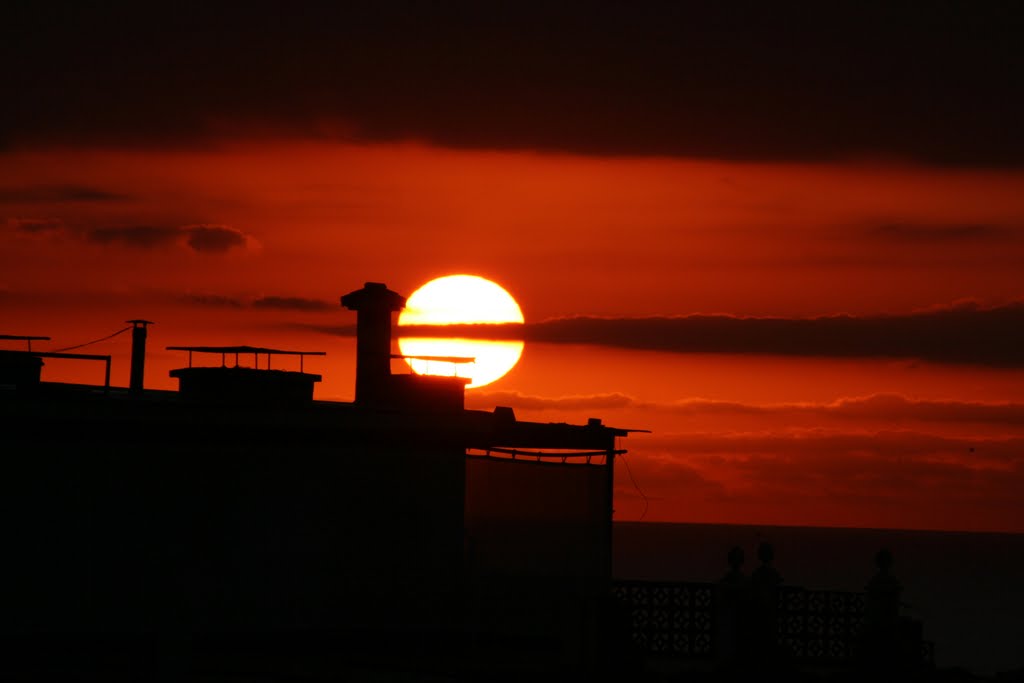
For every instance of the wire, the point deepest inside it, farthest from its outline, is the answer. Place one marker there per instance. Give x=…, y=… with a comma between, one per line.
x=638, y=489
x=94, y=341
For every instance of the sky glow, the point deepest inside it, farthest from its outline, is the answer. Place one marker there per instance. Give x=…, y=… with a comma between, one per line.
x=790, y=246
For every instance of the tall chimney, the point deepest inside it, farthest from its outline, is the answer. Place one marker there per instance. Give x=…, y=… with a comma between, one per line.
x=138, y=354
x=373, y=304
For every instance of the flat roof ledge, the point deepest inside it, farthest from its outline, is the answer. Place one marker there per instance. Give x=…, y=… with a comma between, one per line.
x=245, y=385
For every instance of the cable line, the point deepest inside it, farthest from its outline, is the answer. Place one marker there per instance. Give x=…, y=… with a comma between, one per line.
x=94, y=341
x=638, y=489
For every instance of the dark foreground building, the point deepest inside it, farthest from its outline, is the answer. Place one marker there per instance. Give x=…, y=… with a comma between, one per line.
x=237, y=527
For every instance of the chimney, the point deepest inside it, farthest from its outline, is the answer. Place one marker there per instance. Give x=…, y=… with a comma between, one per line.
x=373, y=304
x=138, y=354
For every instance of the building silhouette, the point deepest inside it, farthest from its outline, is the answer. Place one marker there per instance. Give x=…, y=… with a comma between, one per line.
x=237, y=524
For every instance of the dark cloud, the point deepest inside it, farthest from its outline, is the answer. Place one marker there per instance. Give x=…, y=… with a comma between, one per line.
x=888, y=408
x=138, y=236
x=895, y=408
x=888, y=446
x=35, y=226
x=940, y=234
x=492, y=331
x=962, y=334
x=334, y=330
x=213, y=300
x=818, y=81
x=58, y=193
x=269, y=303
x=923, y=480
x=214, y=239
x=487, y=400
x=965, y=332
x=293, y=303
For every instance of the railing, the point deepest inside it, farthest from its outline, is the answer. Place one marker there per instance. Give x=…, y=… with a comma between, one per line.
x=683, y=620
x=819, y=625
x=256, y=351
x=563, y=456
x=671, y=619
x=53, y=354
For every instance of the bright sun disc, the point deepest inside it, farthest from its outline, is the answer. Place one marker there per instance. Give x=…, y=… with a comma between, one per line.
x=461, y=300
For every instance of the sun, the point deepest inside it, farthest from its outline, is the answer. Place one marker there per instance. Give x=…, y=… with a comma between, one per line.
x=460, y=300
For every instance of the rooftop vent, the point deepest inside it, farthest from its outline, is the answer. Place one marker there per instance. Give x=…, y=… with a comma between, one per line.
x=138, y=367
x=373, y=304
x=376, y=387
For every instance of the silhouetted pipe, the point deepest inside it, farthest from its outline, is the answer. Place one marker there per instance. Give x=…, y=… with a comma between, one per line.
x=373, y=304
x=138, y=368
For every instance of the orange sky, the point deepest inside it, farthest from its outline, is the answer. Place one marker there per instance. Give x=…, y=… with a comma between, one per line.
x=626, y=236
x=253, y=242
